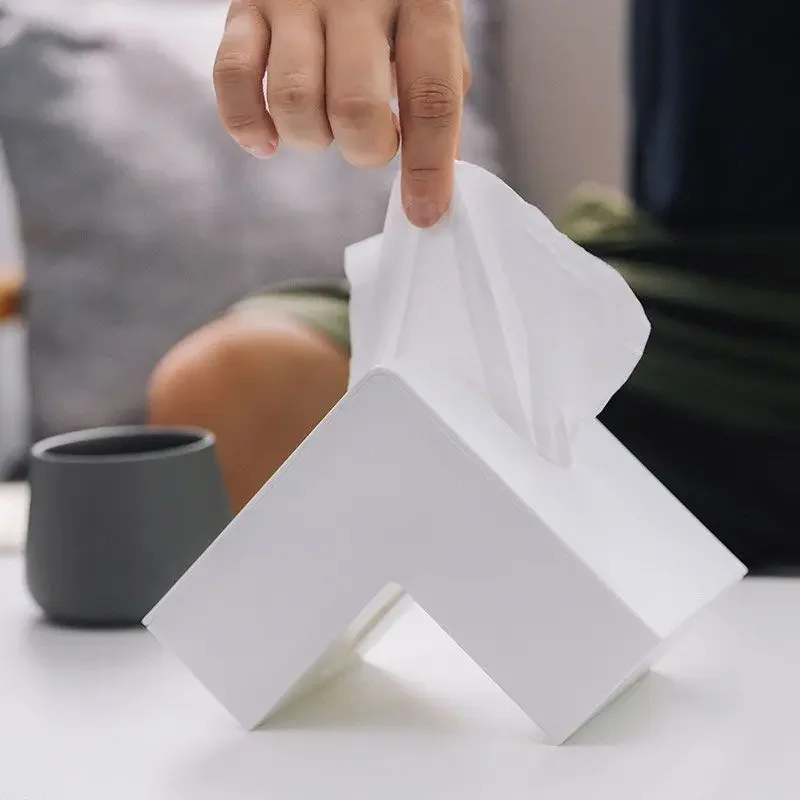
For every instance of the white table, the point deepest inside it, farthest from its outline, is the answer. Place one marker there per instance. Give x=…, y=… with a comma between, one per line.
x=14, y=503
x=97, y=715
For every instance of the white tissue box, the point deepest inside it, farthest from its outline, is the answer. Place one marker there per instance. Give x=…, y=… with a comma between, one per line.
x=560, y=583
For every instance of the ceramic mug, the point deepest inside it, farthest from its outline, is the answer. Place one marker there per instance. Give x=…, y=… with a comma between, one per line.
x=117, y=515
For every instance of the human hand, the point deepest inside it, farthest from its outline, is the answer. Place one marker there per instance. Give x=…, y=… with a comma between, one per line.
x=331, y=77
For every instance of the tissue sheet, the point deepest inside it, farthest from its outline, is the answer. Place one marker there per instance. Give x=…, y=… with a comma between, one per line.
x=495, y=297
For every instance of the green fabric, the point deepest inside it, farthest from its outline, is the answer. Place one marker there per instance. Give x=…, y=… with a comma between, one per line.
x=322, y=306
x=725, y=310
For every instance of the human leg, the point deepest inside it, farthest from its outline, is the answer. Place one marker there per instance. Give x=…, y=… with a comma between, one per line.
x=260, y=379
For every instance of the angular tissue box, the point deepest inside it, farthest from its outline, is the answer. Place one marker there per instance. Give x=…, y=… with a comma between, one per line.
x=560, y=583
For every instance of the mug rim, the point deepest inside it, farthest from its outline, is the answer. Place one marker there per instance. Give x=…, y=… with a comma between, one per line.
x=43, y=450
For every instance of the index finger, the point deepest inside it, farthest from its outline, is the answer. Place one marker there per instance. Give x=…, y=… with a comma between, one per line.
x=429, y=62
x=239, y=70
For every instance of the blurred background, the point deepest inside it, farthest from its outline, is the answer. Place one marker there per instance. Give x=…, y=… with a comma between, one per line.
x=549, y=114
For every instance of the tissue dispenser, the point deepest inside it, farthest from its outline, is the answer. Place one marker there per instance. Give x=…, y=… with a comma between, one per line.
x=562, y=584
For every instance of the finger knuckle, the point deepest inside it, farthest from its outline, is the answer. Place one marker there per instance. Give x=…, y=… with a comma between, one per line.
x=435, y=101
x=238, y=124
x=420, y=179
x=423, y=174
x=293, y=96
x=233, y=70
x=353, y=111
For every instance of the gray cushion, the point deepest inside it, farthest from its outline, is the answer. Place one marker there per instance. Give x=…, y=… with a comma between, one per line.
x=141, y=220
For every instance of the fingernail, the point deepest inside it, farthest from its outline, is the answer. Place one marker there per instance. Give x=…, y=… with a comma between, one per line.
x=262, y=152
x=423, y=212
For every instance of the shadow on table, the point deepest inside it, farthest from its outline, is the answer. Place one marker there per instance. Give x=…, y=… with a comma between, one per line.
x=367, y=728
x=650, y=709
x=365, y=696
x=369, y=734
x=59, y=653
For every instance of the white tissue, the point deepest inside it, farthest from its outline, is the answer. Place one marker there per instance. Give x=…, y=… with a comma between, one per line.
x=497, y=298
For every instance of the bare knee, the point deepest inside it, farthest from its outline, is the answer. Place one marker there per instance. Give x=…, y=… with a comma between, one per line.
x=259, y=384
x=271, y=366
x=189, y=382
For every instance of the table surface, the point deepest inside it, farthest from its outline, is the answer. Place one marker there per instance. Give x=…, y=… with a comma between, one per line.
x=93, y=715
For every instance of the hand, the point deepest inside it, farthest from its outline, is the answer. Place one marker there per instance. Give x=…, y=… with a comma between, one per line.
x=331, y=77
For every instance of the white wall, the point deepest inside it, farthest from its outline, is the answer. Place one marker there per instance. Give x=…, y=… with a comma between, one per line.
x=566, y=60
x=10, y=251
x=12, y=385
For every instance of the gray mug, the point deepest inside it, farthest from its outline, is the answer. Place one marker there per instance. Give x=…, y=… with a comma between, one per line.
x=117, y=515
